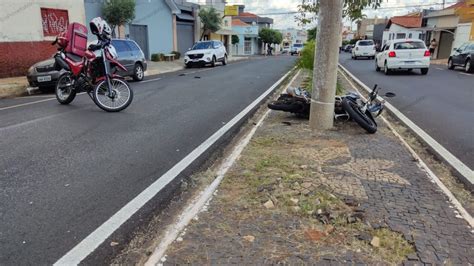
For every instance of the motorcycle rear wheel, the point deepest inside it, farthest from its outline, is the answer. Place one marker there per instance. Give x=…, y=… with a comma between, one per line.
x=362, y=119
x=65, y=92
x=122, y=98
x=287, y=105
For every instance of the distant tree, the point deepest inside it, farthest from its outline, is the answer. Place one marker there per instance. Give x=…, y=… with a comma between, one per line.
x=211, y=21
x=235, y=39
x=312, y=33
x=272, y=36
x=118, y=12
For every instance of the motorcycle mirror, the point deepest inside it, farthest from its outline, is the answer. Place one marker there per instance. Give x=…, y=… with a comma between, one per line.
x=390, y=94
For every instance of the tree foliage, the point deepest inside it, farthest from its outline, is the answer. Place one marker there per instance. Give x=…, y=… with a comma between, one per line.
x=235, y=39
x=211, y=20
x=308, y=9
x=268, y=35
x=312, y=33
x=118, y=12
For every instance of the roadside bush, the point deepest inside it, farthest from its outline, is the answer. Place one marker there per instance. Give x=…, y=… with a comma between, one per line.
x=157, y=57
x=177, y=54
x=306, y=59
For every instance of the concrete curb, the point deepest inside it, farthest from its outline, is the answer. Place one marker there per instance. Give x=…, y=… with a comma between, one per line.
x=13, y=90
x=463, y=171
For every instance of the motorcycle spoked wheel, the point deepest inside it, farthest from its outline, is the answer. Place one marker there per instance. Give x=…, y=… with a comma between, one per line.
x=121, y=99
x=362, y=119
x=65, y=92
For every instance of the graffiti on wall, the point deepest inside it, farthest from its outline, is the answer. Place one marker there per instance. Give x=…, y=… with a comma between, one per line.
x=54, y=21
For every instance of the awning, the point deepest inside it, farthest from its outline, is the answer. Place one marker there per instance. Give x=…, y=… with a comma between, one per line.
x=226, y=32
x=445, y=29
x=185, y=16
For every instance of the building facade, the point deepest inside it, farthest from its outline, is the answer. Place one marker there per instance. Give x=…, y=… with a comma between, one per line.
x=29, y=27
x=293, y=36
x=154, y=27
x=403, y=27
x=248, y=38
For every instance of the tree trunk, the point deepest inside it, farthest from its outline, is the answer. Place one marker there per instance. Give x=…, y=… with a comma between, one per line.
x=326, y=59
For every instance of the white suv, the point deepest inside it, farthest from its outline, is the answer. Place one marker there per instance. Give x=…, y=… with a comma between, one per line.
x=364, y=48
x=404, y=54
x=206, y=52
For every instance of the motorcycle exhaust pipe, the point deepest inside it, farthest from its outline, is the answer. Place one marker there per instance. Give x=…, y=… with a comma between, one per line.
x=61, y=62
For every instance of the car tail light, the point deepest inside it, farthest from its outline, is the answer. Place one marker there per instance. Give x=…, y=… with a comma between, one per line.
x=392, y=54
x=427, y=53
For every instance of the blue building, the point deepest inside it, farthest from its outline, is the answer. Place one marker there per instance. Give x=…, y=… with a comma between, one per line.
x=154, y=26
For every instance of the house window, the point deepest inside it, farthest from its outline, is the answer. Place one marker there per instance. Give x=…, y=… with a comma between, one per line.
x=409, y=36
x=401, y=35
x=54, y=21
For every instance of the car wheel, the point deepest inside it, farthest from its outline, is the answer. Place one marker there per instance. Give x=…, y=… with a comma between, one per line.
x=138, y=73
x=468, y=67
x=450, y=64
x=213, y=63
x=224, y=62
x=377, y=68
x=424, y=71
x=386, y=70
x=187, y=65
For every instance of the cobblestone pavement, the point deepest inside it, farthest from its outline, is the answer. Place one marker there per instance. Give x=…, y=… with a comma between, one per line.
x=260, y=214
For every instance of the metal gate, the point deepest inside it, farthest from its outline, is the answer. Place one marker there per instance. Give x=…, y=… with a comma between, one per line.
x=185, y=36
x=139, y=33
x=445, y=45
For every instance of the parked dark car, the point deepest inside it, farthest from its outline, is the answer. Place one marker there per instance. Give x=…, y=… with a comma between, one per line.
x=463, y=56
x=45, y=76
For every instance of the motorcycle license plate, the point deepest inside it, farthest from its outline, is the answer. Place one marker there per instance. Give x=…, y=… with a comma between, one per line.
x=44, y=78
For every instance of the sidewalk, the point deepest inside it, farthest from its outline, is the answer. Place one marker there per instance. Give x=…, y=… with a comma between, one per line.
x=17, y=86
x=340, y=196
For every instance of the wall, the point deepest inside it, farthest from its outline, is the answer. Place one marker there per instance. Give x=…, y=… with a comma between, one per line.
x=22, y=40
x=462, y=34
x=155, y=14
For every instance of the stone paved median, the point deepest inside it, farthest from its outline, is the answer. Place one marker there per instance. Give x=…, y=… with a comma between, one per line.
x=339, y=196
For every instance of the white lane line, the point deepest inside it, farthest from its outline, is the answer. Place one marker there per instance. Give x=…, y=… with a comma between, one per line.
x=440, y=68
x=92, y=241
x=421, y=164
x=198, y=203
x=150, y=80
x=30, y=103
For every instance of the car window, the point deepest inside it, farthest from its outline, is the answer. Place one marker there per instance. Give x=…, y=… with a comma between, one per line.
x=202, y=45
x=387, y=46
x=408, y=45
x=120, y=46
x=133, y=46
x=463, y=46
x=365, y=43
x=471, y=47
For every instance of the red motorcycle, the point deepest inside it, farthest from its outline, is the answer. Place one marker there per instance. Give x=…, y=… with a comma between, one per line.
x=90, y=69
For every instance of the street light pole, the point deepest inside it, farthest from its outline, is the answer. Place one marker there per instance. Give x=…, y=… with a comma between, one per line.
x=325, y=64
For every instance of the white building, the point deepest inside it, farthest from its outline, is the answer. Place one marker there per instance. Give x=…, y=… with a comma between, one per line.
x=292, y=36
x=403, y=27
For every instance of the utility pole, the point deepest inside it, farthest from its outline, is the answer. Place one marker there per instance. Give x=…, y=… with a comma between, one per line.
x=326, y=60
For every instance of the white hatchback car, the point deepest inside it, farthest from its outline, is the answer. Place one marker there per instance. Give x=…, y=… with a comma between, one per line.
x=206, y=52
x=406, y=54
x=363, y=48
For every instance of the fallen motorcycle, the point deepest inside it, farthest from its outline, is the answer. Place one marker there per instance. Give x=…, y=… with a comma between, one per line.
x=349, y=106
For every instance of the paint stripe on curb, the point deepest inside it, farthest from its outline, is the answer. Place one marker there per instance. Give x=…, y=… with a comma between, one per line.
x=99, y=235
x=463, y=170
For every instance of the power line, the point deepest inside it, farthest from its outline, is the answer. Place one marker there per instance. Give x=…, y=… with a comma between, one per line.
x=379, y=8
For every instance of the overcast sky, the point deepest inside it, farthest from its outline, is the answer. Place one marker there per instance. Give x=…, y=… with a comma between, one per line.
x=389, y=8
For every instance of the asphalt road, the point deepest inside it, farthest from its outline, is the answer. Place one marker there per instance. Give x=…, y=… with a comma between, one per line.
x=441, y=103
x=64, y=170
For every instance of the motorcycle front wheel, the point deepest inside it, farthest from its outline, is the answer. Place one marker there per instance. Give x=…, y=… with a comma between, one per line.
x=65, y=92
x=362, y=119
x=121, y=98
